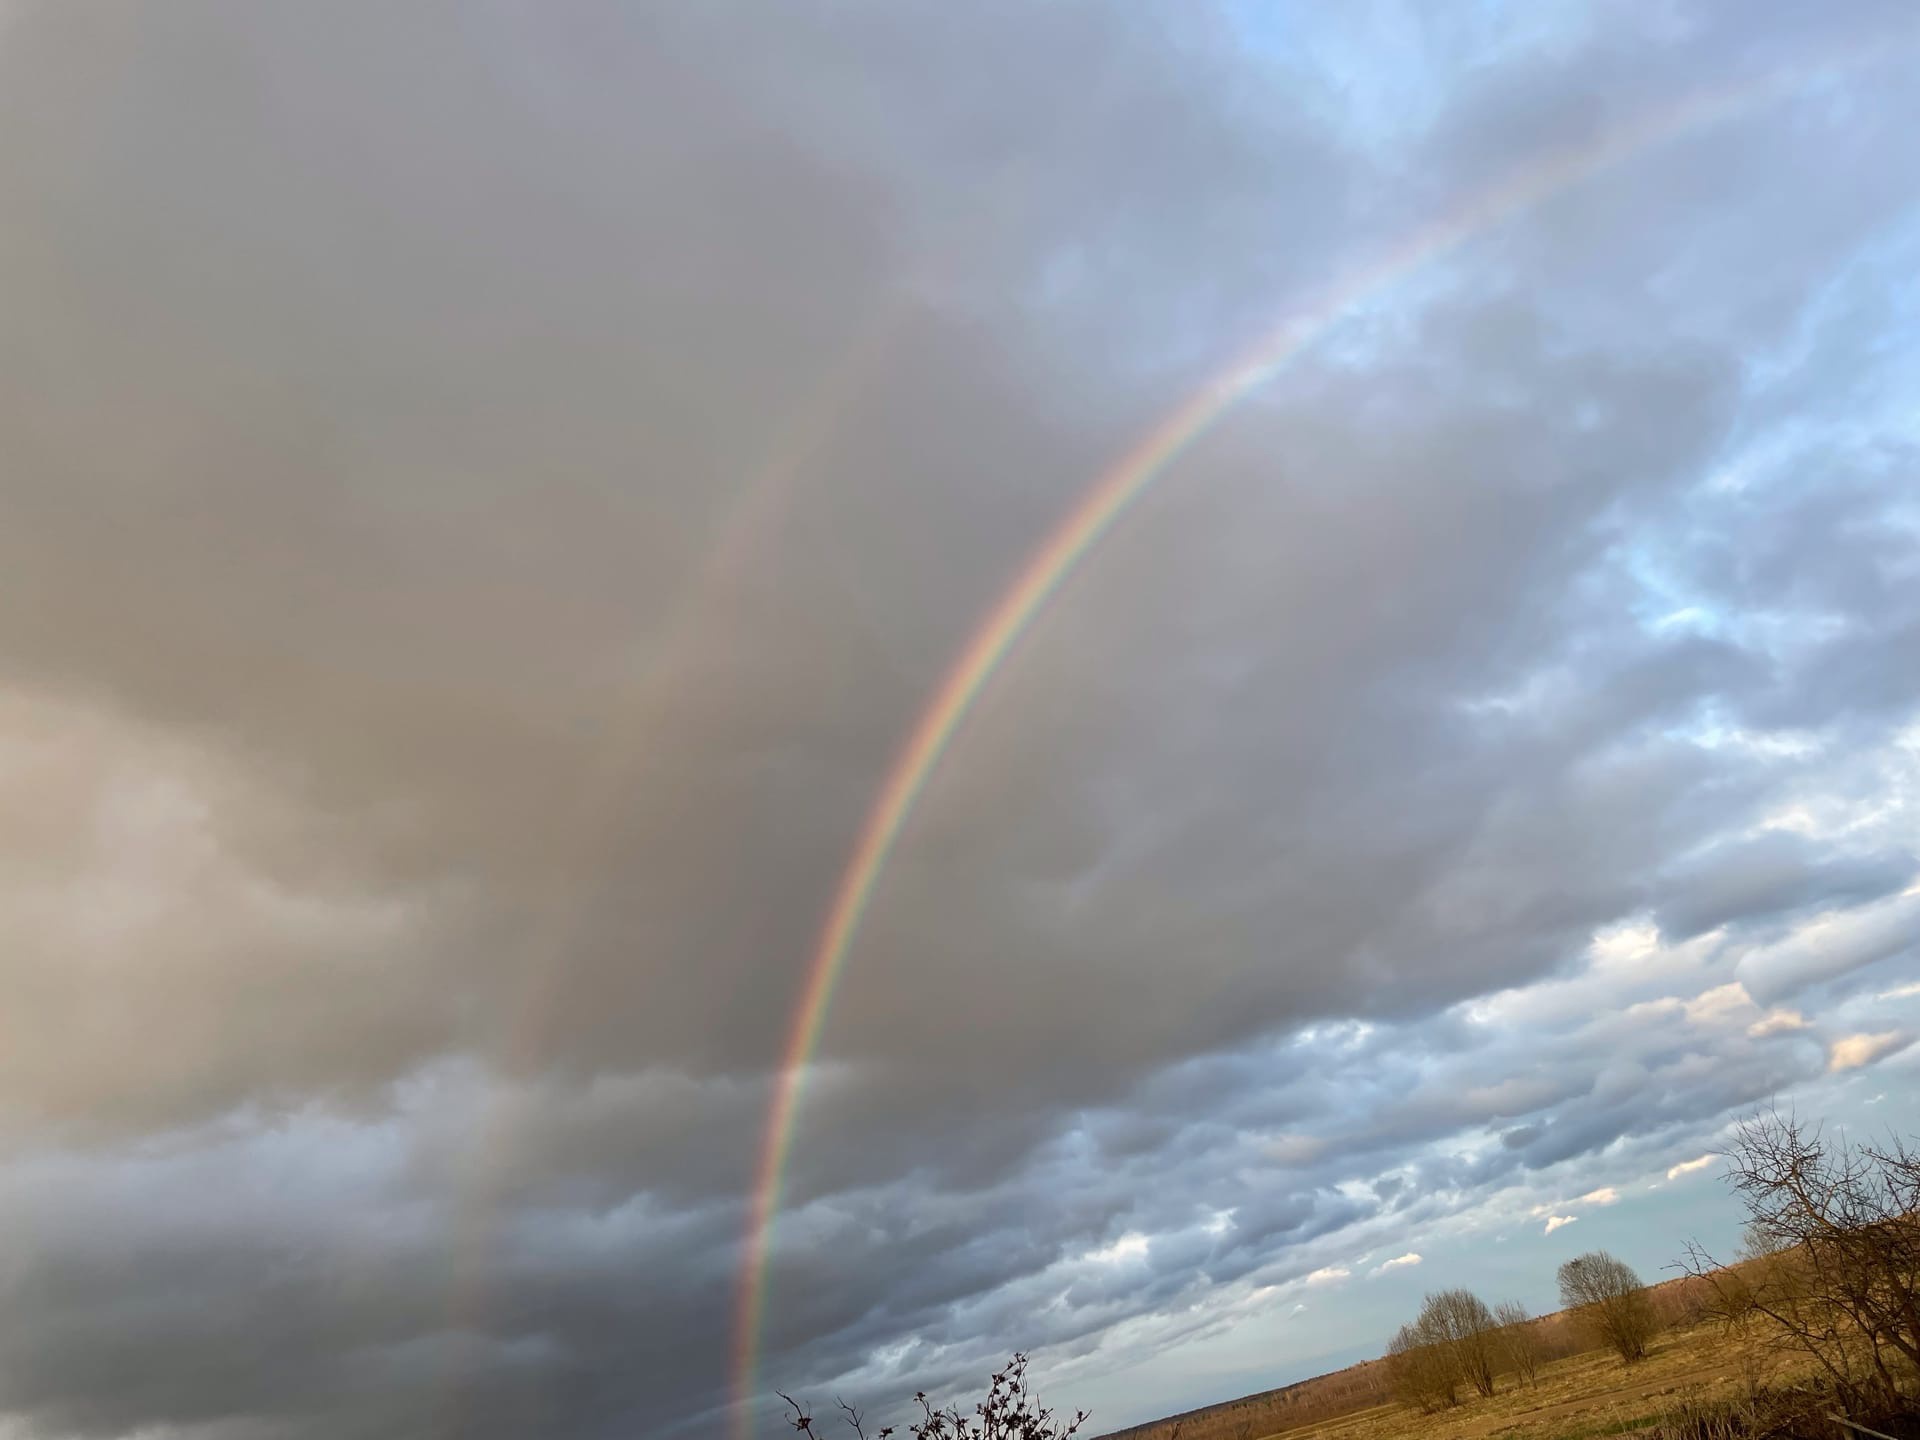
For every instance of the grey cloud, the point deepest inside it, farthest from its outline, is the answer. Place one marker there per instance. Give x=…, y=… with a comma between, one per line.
x=1774, y=874
x=1835, y=947
x=492, y=487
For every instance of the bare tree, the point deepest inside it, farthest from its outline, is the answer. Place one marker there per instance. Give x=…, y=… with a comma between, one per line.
x=1609, y=1301
x=1451, y=1344
x=1830, y=1260
x=1519, y=1339
x=1460, y=1322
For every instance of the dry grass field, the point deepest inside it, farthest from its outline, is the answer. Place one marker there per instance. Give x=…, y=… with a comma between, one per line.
x=1355, y=1403
x=1579, y=1396
x=1582, y=1396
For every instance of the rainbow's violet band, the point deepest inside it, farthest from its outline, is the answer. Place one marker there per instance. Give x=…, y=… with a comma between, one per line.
x=1068, y=547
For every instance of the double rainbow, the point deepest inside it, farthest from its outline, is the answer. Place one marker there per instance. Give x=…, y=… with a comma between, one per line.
x=1094, y=517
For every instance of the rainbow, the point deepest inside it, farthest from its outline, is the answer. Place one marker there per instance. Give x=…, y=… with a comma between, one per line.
x=1092, y=518
x=749, y=522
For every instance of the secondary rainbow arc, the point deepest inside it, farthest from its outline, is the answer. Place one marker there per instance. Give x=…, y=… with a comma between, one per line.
x=1093, y=517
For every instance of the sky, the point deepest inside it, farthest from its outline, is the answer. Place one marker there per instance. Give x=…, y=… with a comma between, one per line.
x=494, y=490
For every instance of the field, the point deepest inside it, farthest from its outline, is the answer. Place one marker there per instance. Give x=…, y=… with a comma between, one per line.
x=1581, y=1396
x=1580, y=1393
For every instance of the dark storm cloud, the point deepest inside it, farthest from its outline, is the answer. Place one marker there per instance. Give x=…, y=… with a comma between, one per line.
x=492, y=485
x=433, y=409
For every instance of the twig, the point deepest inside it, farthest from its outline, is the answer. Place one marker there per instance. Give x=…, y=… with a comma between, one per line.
x=801, y=1421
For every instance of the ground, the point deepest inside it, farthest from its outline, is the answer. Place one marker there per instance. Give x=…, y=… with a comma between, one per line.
x=1577, y=1398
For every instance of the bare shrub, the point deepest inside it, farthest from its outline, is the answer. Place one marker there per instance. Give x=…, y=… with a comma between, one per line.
x=1830, y=1268
x=1010, y=1411
x=1420, y=1371
x=1609, y=1302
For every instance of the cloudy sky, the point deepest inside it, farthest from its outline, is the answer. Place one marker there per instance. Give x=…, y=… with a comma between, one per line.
x=491, y=488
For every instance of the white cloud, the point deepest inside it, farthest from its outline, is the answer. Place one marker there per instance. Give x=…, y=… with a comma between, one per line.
x=1900, y=992
x=1605, y=1195
x=1624, y=946
x=1719, y=1006
x=1724, y=1005
x=1399, y=1262
x=1851, y=1052
x=1130, y=1246
x=1328, y=1275
x=1689, y=1167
